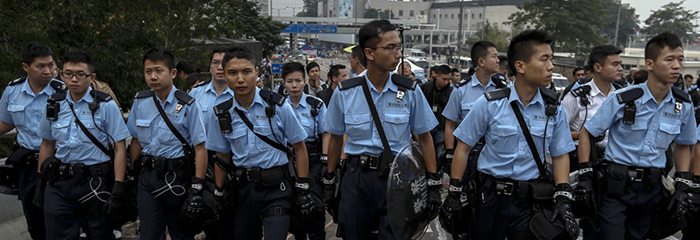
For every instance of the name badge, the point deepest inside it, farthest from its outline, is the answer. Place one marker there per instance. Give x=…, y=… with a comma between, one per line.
x=435, y=108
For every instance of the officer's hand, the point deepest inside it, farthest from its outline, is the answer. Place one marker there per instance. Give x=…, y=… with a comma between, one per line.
x=38, y=198
x=562, y=208
x=194, y=208
x=453, y=203
x=696, y=195
x=225, y=198
x=434, y=186
x=583, y=194
x=682, y=203
x=329, y=185
x=446, y=161
x=308, y=204
x=115, y=207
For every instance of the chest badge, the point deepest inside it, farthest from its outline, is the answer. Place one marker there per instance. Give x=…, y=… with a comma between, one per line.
x=399, y=95
x=178, y=107
x=678, y=108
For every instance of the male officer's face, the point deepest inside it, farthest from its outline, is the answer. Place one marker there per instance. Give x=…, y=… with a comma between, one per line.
x=41, y=69
x=215, y=68
x=456, y=77
x=611, y=68
x=342, y=75
x=315, y=73
x=667, y=65
x=442, y=80
x=539, y=68
x=580, y=74
x=77, y=77
x=158, y=76
x=241, y=75
x=387, y=53
x=490, y=62
x=294, y=83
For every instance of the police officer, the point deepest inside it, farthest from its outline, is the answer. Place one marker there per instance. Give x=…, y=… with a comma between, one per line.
x=402, y=109
x=166, y=163
x=642, y=121
x=437, y=93
x=209, y=94
x=336, y=73
x=22, y=107
x=309, y=111
x=358, y=62
x=507, y=166
x=82, y=155
x=253, y=130
x=462, y=98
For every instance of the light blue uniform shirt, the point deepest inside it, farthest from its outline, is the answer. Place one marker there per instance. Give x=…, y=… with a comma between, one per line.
x=312, y=125
x=348, y=113
x=72, y=145
x=19, y=106
x=156, y=139
x=506, y=153
x=247, y=149
x=207, y=99
x=463, y=97
x=643, y=144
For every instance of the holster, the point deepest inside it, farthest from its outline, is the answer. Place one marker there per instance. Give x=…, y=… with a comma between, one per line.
x=385, y=163
x=21, y=155
x=50, y=169
x=615, y=181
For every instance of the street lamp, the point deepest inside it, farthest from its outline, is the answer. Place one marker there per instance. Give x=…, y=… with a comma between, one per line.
x=469, y=13
x=438, y=19
x=617, y=24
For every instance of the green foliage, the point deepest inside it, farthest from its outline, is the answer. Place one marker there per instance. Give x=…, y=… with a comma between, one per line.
x=117, y=33
x=673, y=18
x=629, y=24
x=492, y=33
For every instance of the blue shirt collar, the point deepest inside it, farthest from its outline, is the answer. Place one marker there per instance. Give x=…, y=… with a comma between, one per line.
x=86, y=98
x=48, y=89
x=210, y=88
x=649, y=97
x=514, y=96
x=388, y=86
x=302, y=101
x=475, y=82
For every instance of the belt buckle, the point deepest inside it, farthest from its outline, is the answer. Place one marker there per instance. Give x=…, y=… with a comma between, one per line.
x=505, y=188
x=62, y=170
x=638, y=174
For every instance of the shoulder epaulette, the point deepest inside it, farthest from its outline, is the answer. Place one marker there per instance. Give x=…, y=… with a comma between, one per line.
x=57, y=84
x=549, y=96
x=463, y=82
x=272, y=97
x=144, y=94
x=201, y=84
x=224, y=106
x=57, y=96
x=581, y=91
x=17, y=81
x=497, y=94
x=350, y=83
x=314, y=101
x=102, y=96
x=629, y=95
x=183, y=97
x=499, y=79
x=404, y=82
x=680, y=94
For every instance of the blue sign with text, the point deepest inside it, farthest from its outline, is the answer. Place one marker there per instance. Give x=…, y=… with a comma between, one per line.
x=310, y=28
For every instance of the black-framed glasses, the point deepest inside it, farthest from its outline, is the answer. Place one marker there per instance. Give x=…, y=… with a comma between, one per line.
x=216, y=63
x=393, y=47
x=69, y=75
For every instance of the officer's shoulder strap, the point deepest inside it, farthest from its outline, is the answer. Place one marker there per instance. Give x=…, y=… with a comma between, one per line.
x=567, y=89
x=271, y=97
x=581, y=91
x=17, y=81
x=314, y=101
x=57, y=85
x=224, y=106
x=183, y=97
x=403, y=82
x=549, y=96
x=201, y=84
x=102, y=96
x=58, y=96
x=629, y=95
x=144, y=94
x=497, y=94
x=680, y=95
x=350, y=83
x=463, y=82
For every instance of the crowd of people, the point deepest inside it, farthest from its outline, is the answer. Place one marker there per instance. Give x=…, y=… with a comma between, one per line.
x=236, y=161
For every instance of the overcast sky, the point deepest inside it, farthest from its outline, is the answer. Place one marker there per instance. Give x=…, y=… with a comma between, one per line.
x=644, y=7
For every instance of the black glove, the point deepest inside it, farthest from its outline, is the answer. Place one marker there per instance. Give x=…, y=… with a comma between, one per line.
x=308, y=204
x=562, y=208
x=434, y=200
x=329, y=185
x=446, y=161
x=115, y=207
x=194, y=209
x=584, y=204
x=453, y=203
x=453, y=217
x=681, y=205
x=226, y=199
x=38, y=198
x=696, y=194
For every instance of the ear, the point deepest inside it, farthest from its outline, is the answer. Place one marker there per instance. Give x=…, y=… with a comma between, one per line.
x=520, y=67
x=369, y=54
x=173, y=73
x=650, y=64
x=597, y=67
x=481, y=62
x=25, y=67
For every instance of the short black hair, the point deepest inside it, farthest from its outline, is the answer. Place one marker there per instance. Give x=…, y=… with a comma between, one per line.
x=185, y=67
x=215, y=51
x=600, y=52
x=312, y=65
x=520, y=48
x=291, y=67
x=78, y=56
x=160, y=55
x=370, y=32
x=34, y=50
x=479, y=49
x=658, y=42
x=455, y=70
x=357, y=52
x=688, y=76
x=334, y=71
x=239, y=53
x=443, y=69
x=640, y=77
x=576, y=69
x=432, y=68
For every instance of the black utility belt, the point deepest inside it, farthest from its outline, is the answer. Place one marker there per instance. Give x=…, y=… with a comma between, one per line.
x=262, y=177
x=71, y=170
x=21, y=155
x=531, y=190
x=365, y=162
x=632, y=173
x=162, y=164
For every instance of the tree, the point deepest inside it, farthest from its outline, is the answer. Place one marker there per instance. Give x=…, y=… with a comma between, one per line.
x=492, y=33
x=673, y=18
x=629, y=24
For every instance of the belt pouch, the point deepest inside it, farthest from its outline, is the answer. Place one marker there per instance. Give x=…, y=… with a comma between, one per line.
x=616, y=180
x=542, y=191
x=18, y=155
x=385, y=163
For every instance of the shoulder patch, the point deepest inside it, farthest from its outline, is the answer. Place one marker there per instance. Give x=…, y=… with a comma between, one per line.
x=102, y=96
x=183, y=97
x=271, y=97
x=549, y=96
x=17, y=81
x=201, y=84
x=224, y=106
x=57, y=85
x=350, y=83
x=497, y=94
x=314, y=101
x=463, y=82
x=58, y=96
x=499, y=79
x=680, y=94
x=629, y=95
x=404, y=82
x=144, y=94
x=581, y=91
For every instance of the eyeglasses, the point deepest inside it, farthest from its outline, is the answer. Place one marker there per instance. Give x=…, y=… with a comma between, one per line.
x=393, y=47
x=70, y=75
x=216, y=63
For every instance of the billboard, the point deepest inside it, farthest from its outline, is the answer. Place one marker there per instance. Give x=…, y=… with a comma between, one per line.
x=346, y=8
